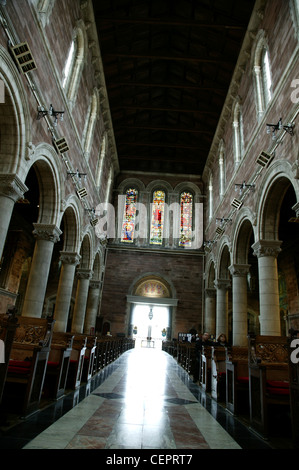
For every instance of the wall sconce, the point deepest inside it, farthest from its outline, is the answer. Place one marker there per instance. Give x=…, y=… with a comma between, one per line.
x=241, y=187
x=277, y=127
x=208, y=245
x=91, y=211
x=42, y=112
x=76, y=173
x=150, y=315
x=222, y=221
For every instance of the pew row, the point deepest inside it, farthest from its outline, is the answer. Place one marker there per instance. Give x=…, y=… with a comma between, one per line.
x=205, y=377
x=27, y=364
x=237, y=380
x=268, y=381
x=218, y=373
x=58, y=365
x=8, y=325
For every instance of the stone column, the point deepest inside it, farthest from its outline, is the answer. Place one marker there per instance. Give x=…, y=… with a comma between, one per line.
x=64, y=293
x=11, y=189
x=84, y=276
x=222, y=286
x=92, y=306
x=210, y=311
x=267, y=252
x=46, y=236
x=239, y=291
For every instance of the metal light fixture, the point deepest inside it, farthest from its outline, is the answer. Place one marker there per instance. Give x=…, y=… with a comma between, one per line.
x=242, y=186
x=77, y=173
x=150, y=315
x=221, y=221
x=277, y=127
x=42, y=112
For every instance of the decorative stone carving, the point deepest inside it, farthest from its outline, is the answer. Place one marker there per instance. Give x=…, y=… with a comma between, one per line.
x=84, y=273
x=240, y=270
x=47, y=232
x=11, y=186
x=266, y=248
x=69, y=257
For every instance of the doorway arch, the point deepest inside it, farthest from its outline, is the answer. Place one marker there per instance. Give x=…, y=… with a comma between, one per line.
x=151, y=308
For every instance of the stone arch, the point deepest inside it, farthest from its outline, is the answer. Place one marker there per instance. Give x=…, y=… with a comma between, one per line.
x=71, y=227
x=271, y=194
x=86, y=252
x=15, y=123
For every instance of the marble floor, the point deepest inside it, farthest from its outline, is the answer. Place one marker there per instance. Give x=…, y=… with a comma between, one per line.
x=144, y=400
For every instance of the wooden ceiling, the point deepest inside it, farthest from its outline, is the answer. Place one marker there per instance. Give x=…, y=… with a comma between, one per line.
x=168, y=65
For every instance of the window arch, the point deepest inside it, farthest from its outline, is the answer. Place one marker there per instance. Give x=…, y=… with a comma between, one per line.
x=128, y=224
x=221, y=162
x=262, y=74
x=90, y=124
x=101, y=160
x=238, y=132
x=157, y=217
x=210, y=197
x=186, y=218
x=74, y=64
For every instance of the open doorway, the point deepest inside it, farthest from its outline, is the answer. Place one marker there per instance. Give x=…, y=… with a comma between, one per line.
x=150, y=324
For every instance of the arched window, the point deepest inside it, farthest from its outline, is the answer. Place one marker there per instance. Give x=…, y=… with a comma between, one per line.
x=262, y=74
x=238, y=133
x=101, y=160
x=221, y=161
x=74, y=64
x=90, y=124
x=157, y=218
x=210, y=197
x=186, y=208
x=128, y=225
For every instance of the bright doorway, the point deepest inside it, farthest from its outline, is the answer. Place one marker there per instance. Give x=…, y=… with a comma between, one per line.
x=150, y=321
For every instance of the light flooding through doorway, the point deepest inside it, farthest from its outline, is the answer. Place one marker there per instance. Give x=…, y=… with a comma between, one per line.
x=150, y=323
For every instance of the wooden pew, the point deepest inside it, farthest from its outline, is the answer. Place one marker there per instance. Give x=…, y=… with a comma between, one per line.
x=218, y=373
x=76, y=362
x=268, y=380
x=89, y=358
x=205, y=379
x=293, y=348
x=58, y=365
x=8, y=325
x=237, y=380
x=27, y=364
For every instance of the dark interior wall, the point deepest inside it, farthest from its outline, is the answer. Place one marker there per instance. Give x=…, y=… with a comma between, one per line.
x=183, y=272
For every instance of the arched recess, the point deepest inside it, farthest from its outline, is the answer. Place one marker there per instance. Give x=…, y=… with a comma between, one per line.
x=210, y=299
x=223, y=290
x=152, y=293
x=279, y=235
x=245, y=299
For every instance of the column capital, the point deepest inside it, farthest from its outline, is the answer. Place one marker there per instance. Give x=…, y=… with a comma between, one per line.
x=83, y=273
x=68, y=257
x=266, y=248
x=12, y=187
x=222, y=284
x=239, y=270
x=94, y=284
x=47, y=232
x=210, y=292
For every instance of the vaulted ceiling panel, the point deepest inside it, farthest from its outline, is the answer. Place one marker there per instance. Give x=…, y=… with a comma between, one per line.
x=168, y=66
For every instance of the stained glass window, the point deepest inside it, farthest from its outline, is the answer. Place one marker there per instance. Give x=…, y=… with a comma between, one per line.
x=157, y=218
x=186, y=219
x=128, y=226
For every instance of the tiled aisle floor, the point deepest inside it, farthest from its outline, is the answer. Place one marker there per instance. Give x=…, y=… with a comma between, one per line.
x=144, y=400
